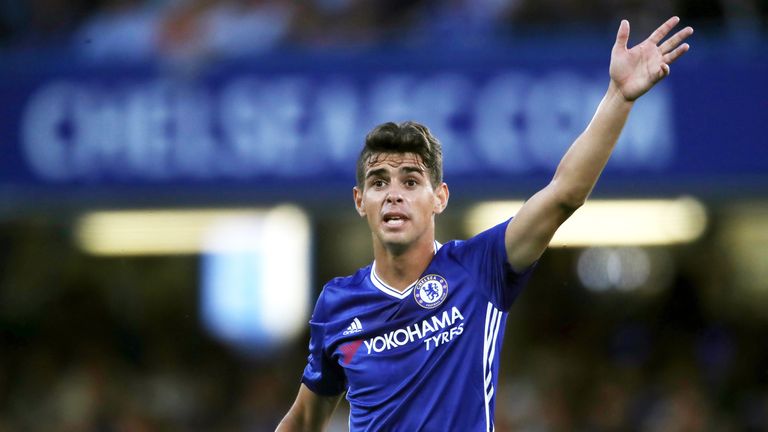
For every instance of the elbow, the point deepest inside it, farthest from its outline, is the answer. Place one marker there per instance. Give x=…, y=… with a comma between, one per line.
x=571, y=198
x=572, y=203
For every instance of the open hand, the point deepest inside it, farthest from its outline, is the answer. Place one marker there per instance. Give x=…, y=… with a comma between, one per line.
x=634, y=71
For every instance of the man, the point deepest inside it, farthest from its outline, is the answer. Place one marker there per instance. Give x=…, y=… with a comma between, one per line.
x=414, y=338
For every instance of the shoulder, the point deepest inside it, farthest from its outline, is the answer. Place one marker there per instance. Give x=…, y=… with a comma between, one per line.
x=348, y=282
x=477, y=250
x=491, y=236
x=340, y=290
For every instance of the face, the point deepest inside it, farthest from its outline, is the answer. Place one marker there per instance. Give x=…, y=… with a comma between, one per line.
x=399, y=201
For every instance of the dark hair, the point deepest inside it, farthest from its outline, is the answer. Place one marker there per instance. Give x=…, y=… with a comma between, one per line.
x=406, y=137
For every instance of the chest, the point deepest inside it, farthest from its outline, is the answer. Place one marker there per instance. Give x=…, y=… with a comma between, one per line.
x=383, y=341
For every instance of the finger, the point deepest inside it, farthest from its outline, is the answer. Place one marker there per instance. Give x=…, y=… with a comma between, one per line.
x=665, y=70
x=623, y=35
x=663, y=30
x=675, y=40
x=675, y=54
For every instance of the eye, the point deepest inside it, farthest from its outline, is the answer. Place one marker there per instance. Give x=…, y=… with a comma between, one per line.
x=378, y=183
x=411, y=182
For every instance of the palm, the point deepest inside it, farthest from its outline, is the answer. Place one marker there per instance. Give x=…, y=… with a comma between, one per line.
x=634, y=71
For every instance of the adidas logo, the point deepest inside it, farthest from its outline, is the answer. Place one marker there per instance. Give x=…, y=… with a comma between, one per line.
x=354, y=327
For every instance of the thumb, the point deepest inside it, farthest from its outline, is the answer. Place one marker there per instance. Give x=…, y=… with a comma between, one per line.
x=622, y=37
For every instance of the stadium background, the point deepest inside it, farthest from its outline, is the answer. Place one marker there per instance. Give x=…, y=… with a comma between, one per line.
x=102, y=107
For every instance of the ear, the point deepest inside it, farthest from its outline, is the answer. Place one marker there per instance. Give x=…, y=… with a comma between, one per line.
x=357, y=195
x=441, y=198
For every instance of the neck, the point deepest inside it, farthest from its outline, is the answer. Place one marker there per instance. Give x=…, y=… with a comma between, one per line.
x=400, y=268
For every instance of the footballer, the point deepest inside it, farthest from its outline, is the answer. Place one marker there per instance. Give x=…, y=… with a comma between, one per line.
x=414, y=338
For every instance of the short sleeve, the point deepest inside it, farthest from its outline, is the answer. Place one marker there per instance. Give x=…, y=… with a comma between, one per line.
x=485, y=257
x=323, y=375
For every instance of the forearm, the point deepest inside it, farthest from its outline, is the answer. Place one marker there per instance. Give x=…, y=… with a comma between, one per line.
x=294, y=422
x=301, y=419
x=310, y=412
x=290, y=424
x=582, y=164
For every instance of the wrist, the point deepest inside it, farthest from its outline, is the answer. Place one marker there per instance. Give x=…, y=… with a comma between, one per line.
x=614, y=94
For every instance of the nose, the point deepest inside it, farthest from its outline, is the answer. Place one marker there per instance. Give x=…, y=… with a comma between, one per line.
x=394, y=196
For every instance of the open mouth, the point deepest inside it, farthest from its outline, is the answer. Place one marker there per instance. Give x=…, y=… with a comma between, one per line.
x=394, y=219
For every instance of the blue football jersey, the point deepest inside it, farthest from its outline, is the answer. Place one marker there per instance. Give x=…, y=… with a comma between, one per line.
x=427, y=358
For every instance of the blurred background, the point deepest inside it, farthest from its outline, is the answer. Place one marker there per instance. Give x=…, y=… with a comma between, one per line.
x=175, y=189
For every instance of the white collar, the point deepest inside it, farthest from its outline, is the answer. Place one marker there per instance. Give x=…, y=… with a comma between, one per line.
x=387, y=289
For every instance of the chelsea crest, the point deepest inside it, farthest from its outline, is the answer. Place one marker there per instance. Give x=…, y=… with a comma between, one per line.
x=430, y=291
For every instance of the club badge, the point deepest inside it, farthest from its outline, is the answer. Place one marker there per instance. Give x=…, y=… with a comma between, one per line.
x=430, y=291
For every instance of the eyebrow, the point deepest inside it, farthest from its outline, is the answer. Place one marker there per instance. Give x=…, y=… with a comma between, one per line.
x=381, y=172
x=375, y=173
x=412, y=169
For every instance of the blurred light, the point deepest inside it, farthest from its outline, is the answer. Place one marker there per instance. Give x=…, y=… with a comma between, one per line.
x=255, y=286
x=611, y=222
x=255, y=268
x=744, y=236
x=155, y=232
x=625, y=269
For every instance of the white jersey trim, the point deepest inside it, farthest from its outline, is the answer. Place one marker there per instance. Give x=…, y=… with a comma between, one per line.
x=386, y=289
x=493, y=318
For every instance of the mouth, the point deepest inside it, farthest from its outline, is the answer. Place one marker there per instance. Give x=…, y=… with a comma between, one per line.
x=394, y=220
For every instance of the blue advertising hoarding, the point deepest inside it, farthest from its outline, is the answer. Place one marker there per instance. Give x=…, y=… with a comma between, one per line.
x=288, y=124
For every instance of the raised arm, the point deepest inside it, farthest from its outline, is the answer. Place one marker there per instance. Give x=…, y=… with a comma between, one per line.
x=633, y=72
x=310, y=412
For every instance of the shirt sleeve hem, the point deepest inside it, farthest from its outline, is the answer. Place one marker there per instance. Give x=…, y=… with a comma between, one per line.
x=317, y=389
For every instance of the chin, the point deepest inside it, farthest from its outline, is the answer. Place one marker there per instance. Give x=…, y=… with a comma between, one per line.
x=396, y=239
x=399, y=239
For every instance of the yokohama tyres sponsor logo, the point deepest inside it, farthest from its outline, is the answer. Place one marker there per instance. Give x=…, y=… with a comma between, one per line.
x=436, y=329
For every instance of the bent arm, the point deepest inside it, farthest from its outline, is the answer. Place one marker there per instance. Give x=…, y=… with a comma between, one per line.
x=532, y=229
x=633, y=72
x=310, y=412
